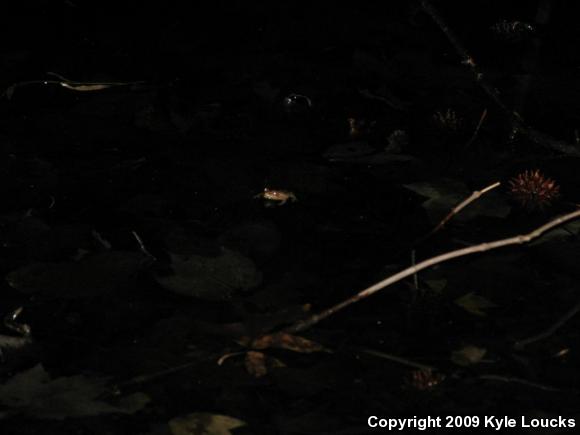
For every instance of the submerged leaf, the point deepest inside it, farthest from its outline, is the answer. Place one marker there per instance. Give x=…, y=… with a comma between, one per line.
x=468, y=355
x=474, y=304
x=34, y=394
x=211, y=278
x=92, y=276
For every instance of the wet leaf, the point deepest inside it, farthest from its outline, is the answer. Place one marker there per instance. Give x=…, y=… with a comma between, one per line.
x=258, y=364
x=36, y=395
x=201, y=423
x=436, y=285
x=468, y=355
x=474, y=304
x=94, y=275
x=211, y=278
x=283, y=340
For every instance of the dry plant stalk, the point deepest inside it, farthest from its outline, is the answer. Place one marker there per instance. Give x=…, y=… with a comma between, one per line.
x=482, y=247
x=475, y=195
x=521, y=344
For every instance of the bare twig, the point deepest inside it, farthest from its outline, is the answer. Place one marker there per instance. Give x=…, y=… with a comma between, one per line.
x=142, y=246
x=142, y=379
x=415, y=276
x=513, y=116
x=475, y=195
x=524, y=382
x=519, y=345
x=477, y=128
x=397, y=359
x=483, y=247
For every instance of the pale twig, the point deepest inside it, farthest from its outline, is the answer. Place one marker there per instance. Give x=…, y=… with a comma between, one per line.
x=397, y=359
x=524, y=382
x=513, y=116
x=519, y=345
x=142, y=246
x=475, y=195
x=477, y=128
x=483, y=247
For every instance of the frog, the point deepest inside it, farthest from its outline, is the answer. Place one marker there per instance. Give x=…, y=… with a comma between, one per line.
x=276, y=196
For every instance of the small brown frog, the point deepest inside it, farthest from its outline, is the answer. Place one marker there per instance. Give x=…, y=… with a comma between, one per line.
x=276, y=197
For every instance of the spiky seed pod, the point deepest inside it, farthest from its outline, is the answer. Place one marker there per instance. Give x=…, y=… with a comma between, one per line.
x=533, y=191
x=447, y=121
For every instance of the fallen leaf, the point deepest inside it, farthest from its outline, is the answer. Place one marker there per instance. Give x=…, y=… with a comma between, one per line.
x=201, y=423
x=34, y=394
x=283, y=340
x=468, y=355
x=474, y=304
x=256, y=364
x=211, y=278
x=91, y=276
x=436, y=285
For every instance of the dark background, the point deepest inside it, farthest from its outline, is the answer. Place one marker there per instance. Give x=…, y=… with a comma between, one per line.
x=179, y=158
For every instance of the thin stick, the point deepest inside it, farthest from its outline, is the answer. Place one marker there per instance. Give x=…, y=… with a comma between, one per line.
x=483, y=247
x=142, y=246
x=477, y=128
x=137, y=380
x=514, y=117
x=475, y=195
x=523, y=382
x=397, y=359
x=519, y=345
x=415, y=276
